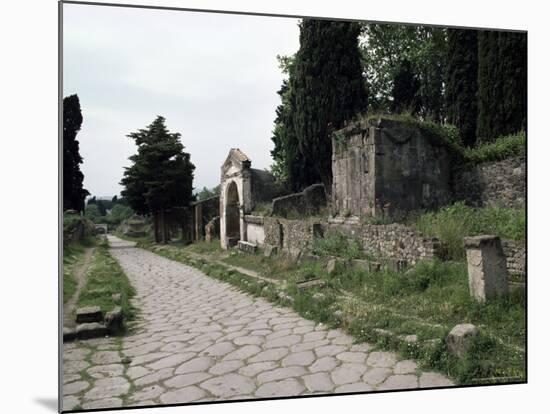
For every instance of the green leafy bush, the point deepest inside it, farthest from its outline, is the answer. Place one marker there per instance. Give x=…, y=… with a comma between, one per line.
x=514, y=145
x=452, y=223
x=337, y=244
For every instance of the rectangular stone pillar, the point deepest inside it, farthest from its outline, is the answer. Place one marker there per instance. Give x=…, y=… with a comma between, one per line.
x=487, y=272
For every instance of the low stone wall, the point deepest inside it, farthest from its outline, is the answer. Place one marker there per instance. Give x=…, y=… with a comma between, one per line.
x=255, y=229
x=395, y=241
x=515, y=257
x=501, y=184
x=390, y=241
x=309, y=201
x=289, y=236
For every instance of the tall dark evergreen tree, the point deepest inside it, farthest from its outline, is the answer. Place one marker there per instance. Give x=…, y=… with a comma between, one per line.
x=405, y=96
x=74, y=193
x=291, y=167
x=161, y=176
x=502, y=84
x=461, y=84
x=328, y=88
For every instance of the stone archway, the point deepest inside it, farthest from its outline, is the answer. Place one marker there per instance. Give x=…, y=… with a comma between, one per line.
x=235, y=198
x=232, y=215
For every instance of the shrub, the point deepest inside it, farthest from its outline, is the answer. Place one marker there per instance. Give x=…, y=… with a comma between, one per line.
x=452, y=223
x=337, y=244
x=514, y=145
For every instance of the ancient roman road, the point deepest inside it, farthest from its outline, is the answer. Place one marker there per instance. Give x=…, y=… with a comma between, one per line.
x=200, y=339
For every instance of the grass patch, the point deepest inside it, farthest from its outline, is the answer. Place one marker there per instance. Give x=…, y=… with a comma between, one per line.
x=72, y=258
x=429, y=300
x=104, y=278
x=273, y=268
x=338, y=244
x=452, y=223
x=514, y=145
x=73, y=255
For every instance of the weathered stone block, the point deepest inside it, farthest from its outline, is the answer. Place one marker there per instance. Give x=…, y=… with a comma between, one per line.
x=89, y=314
x=270, y=251
x=487, y=272
x=91, y=330
x=114, y=320
x=360, y=264
x=247, y=247
x=337, y=265
x=310, y=283
x=460, y=339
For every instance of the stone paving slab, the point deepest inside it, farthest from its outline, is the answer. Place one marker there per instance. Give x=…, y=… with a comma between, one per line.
x=200, y=339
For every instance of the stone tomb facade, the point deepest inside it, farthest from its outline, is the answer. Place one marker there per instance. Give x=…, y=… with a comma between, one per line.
x=241, y=188
x=384, y=167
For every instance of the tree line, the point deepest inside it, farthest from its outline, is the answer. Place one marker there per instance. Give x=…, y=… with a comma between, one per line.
x=473, y=79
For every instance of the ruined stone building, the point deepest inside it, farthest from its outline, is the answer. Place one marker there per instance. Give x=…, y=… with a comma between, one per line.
x=241, y=188
x=381, y=167
x=386, y=167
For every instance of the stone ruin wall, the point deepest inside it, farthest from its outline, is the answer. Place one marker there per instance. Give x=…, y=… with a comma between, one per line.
x=392, y=162
x=516, y=257
x=497, y=184
x=395, y=241
x=392, y=241
x=386, y=167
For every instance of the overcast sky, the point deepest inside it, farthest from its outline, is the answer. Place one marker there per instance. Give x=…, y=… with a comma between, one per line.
x=214, y=77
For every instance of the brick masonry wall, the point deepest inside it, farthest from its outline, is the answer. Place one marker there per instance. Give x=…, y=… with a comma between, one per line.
x=500, y=183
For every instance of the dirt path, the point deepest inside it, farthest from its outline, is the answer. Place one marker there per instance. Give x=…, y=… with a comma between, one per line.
x=200, y=339
x=80, y=276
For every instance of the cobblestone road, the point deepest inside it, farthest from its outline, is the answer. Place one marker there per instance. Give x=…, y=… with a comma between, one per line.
x=201, y=340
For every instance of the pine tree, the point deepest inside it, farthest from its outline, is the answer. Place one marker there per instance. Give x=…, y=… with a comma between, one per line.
x=405, y=90
x=461, y=84
x=161, y=176
x=502, y=84
x=328, y=88
x=74, y=193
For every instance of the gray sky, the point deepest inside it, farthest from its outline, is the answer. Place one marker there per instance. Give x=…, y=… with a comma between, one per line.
x=214, y=77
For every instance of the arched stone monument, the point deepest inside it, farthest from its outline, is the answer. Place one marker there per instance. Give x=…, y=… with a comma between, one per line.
x=235, y=197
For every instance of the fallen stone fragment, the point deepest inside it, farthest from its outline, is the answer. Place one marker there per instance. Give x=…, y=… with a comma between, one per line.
x=310, y=283
x=460, y=339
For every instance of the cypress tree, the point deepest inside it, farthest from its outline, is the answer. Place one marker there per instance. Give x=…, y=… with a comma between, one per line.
x=161, y=176
x=74, y=193
x=461, y=83
x=328, y=88
x=405, y=90
x=502, y=84
x=292, y=168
